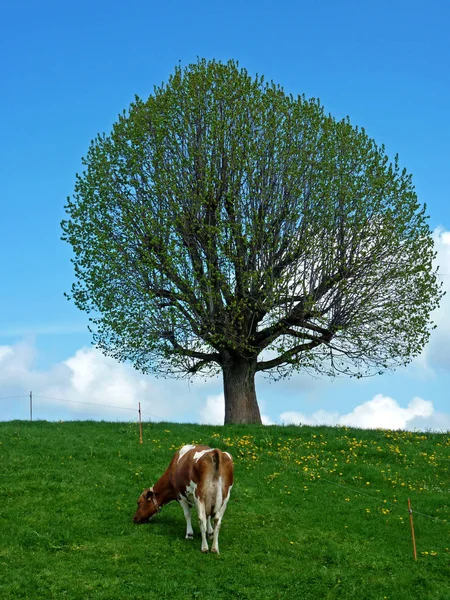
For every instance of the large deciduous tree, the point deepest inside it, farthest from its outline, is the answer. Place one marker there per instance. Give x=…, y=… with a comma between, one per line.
x=224, y=225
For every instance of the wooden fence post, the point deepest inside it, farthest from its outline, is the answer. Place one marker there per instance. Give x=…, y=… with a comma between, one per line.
x=140, y=424
x=31, y=406
x=412, y=528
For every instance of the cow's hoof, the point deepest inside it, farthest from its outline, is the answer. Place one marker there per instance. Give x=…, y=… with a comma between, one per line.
x=215, y=550
x=189, y=536
x=204, y=550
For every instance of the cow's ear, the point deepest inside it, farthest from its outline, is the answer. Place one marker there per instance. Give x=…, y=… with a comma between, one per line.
x=149, y=494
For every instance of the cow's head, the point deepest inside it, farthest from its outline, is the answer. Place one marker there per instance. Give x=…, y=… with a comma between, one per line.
x=147, y=506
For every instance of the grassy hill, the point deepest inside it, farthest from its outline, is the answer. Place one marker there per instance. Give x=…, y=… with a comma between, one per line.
x=315, y=513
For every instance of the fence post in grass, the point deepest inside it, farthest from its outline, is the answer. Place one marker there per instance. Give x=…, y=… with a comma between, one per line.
x=140, y=424
x=412, y=528
x=31, y=406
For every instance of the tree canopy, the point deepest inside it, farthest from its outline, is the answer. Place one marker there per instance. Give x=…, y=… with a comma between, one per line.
x=224, y=225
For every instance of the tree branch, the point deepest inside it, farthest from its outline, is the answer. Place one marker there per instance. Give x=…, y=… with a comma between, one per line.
x=199, y=365
x=290, y=354
x=297, y=316
x=203, y=356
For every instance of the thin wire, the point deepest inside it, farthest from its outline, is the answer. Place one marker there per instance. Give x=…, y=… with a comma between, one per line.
x=335, y=483
x=181, y=424
x=397, y=506
x=416, y=512
x=91, y=403
x=13, y=397
x=287, y=466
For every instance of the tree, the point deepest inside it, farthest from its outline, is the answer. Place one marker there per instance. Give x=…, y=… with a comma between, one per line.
x=224, y=225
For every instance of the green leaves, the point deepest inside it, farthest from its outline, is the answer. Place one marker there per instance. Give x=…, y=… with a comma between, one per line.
x=241, y=220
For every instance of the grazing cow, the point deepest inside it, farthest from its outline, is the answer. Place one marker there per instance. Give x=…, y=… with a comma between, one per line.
x=196, y=475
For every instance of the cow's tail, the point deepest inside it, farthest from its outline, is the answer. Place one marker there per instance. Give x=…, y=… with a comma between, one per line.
x=217, y=499
x=222, y=476
x=216, y=459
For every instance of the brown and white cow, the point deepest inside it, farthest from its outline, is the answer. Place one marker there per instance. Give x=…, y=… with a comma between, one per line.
x=197, y=475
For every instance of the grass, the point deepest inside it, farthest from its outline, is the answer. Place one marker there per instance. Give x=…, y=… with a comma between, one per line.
x=315, y=512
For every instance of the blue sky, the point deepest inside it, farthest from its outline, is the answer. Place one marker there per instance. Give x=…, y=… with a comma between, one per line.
x=69, y=69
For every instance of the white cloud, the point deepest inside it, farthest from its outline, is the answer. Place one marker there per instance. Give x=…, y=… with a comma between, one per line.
x=267, y=420
x=15, y=361
x=90, y=377
x=436, y=422
x=382, y=412
x=61, y=392
x=320, y=417
x=436, y=353
x=212, y=413
x=5, y=351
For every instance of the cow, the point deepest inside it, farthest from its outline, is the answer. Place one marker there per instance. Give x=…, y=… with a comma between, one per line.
x=197, y=475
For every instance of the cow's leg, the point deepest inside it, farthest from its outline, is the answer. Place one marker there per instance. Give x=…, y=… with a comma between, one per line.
x=218, y=522
x=209, y=528
x=203, y=524
x=187, y=515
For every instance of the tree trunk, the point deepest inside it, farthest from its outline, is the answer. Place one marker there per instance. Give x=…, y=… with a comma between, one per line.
x=241, y=405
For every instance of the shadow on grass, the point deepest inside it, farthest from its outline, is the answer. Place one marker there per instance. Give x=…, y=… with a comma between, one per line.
x=169, y=525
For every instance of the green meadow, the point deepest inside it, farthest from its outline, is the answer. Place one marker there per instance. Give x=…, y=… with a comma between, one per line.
x=315, y=513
